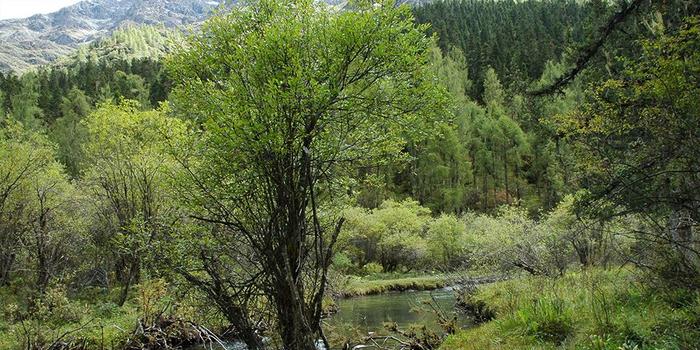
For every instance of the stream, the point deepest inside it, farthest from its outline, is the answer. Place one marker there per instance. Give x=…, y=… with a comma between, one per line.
x=358, y=316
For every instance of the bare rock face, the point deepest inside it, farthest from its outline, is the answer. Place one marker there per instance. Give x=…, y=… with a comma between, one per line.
x=41, y=39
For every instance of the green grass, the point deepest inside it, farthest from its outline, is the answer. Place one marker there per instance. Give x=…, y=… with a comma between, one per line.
x=382, y=283
x=583, y=310
x=91, y=319
x=95, y=325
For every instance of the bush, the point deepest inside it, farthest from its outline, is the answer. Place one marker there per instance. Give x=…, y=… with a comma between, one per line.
x=391, y=235
x=446, y=241
x=547, y=319
x=342, y=263
x=510, y=241
x=372, y=268
x=55, y=306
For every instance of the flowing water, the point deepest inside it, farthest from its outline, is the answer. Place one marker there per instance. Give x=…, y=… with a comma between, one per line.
x=358, y=316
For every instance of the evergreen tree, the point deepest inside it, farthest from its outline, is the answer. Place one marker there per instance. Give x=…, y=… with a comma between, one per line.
x=25, y=104
x=68, y=131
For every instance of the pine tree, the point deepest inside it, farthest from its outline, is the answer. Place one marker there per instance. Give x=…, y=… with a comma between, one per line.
x=69, y=132
x=25, y=104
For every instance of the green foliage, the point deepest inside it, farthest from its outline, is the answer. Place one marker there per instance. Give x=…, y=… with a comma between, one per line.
x=637, y=143
x=69, y=133
x=391, y=235
x=2, y=106
x=290, y=111
x=372, y=268
x=342, y=263
x=25, y=104
x=38, y=231
x=129, y=43
x=594, y=309
x=288, y=99
x=515, y=38
x=446, y=240
x=547, y=319
x=126, y=172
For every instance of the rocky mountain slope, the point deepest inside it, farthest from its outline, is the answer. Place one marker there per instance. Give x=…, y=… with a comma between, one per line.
x=41, y=39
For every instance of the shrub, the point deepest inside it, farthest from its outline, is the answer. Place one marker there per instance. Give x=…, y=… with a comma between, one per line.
x=391, y=235
x=547, y=319
x=342, y=263
x=372, y=268
x=446, y=241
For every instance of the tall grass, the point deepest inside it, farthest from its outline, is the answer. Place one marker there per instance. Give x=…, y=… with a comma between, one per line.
x=356, y=286
x=596, y=309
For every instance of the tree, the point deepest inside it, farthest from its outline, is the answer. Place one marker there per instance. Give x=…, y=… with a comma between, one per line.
x=446, y=241
x=54, y=230
x=68, y=131
x=34, y=206
x=25, y=104
x=125, y=171
x=2, y=105
x=494, y=96
x=289, y=96
x=637, y=139
x=131, y=86
x=441, y=173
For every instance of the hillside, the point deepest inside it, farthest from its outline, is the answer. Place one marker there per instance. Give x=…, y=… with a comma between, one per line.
x=41, y=39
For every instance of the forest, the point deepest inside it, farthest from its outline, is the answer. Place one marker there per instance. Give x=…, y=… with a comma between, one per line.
x=251, y=183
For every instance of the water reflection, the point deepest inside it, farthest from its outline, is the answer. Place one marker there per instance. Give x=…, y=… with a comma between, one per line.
x=359, y=316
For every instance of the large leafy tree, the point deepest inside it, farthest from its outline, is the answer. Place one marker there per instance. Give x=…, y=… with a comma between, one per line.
x=36, y=203
x=125, y=174
x=290, y=95
x=23, y=157
x=638, y=139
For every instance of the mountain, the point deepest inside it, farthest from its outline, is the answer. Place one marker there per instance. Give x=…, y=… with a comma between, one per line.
x=42, y=39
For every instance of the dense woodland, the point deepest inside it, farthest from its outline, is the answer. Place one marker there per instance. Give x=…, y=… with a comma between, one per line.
x=158, y=190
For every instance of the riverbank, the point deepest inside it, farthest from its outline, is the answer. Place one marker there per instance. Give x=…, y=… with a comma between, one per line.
x=354, y=286
x=591, y=310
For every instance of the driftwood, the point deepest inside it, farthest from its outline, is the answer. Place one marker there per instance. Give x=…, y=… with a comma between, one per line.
x=171, y=333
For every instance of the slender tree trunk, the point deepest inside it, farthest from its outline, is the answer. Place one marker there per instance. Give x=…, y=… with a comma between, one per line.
x=505, y=175
x=42, y=277
x=485, y=199
x=131, y=276
x=7, y=260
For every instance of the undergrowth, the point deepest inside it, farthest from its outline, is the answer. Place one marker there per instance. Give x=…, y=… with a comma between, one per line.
x=595, y=309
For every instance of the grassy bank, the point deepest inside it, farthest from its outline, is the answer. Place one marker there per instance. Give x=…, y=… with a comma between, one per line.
x=583, y=310
x=381, y=283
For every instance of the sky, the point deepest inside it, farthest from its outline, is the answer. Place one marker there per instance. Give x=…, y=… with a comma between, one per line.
x=26, y=8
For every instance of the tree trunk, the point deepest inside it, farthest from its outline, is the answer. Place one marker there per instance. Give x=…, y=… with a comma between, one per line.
x=42, y=273
x=245, y=330
x=296, y=327
x=7, y=260
x=130, y=277
x=505, y=175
